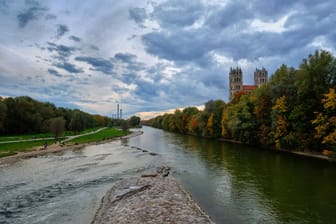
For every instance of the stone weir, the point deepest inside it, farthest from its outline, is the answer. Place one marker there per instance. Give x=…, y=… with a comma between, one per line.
x=151, y=198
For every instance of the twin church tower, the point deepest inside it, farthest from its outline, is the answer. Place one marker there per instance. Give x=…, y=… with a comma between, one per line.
x=236, y=80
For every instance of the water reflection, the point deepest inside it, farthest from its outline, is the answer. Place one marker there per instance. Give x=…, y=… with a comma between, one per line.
x=240, y=184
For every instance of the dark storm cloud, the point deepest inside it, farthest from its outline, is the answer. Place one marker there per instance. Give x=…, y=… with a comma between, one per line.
x=98, y=64
x=34, y=12
x=71, y=68
x=61, y=30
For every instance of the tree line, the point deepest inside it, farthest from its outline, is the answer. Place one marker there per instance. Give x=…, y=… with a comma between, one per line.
x=295, y=110
x=22, y=115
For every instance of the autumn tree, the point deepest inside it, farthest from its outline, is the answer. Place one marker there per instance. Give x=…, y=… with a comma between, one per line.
x=225, y=119
x=280, y=126
x=325, y=122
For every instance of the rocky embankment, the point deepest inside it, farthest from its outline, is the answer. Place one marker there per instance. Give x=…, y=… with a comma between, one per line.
x=152, y=198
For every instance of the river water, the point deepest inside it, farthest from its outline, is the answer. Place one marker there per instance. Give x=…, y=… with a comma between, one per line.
x=233, y=183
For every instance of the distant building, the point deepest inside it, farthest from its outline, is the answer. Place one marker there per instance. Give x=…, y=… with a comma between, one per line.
x=236, y=80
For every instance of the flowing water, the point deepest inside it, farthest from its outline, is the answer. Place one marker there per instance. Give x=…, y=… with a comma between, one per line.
x=233, y=183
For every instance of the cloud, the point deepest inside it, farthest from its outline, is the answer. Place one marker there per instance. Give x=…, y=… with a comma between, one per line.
x=71, y=68
x=32, y=13
x=61, y=30
x=74, y=38
x=180, y=46
x=98, y=64
x=54, y=72
x=139, y=15
x=177, y=55
x=130, y=60
x=125, y=57
x=62, y=51
x=178, y=13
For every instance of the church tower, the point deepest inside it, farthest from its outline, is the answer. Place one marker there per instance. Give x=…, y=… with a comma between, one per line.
x=260, y=77
x=236, y=81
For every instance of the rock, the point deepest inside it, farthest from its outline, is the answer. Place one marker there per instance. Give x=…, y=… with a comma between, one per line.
x=153, y=154
x=154, y=199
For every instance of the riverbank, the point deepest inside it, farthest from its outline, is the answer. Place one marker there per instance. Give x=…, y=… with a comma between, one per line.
x=151, y=198
x=309, y=154
x=54, y=148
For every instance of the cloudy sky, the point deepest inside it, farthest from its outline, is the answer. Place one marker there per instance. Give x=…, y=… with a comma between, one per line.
x=151, y=55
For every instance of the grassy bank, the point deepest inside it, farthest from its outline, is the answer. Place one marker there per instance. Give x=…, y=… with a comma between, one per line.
x=103, y=135
x=8, y=149
x=43, y=135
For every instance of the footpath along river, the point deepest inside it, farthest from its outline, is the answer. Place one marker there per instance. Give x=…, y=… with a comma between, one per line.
x=233, y=183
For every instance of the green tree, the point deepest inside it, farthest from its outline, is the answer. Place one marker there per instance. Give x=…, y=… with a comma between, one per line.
x=316, y=75
x=215, y=108
x=77, y=122
x=57, y=126
x=134, y=121
x=242, y=122
x=3, y=113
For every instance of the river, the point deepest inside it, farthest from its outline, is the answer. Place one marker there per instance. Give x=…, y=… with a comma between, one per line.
x=233, y=183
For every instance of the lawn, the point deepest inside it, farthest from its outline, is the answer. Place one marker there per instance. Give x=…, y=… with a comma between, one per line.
x=105, y=134
x=7, y=149
x=42, y=135
x=25, y=137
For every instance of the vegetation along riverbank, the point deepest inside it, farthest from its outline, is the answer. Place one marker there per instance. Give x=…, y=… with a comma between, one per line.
x=101, y=137
x=295, y=111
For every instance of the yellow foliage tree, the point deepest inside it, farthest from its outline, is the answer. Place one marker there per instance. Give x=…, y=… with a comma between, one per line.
x=280, y=109
x=325, y=122
x=210, y=124
x=225, y=120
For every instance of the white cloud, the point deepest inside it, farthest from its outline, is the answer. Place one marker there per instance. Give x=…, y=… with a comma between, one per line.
x=273, y=26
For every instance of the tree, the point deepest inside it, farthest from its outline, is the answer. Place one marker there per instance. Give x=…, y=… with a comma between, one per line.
x=77, y=122
x=3, y=112
x=225, y=120
x=210, y=124
x=134, y=121
x=316, y=75
x=124, y=125
x=215, y=108
x=280, y=111
x=242, y=122
x=325, y=122
x=57, y=126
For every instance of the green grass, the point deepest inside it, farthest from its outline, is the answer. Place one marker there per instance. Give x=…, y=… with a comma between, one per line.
x=70, y=133
x=42, y=135
x=25, y=137
x=8, y=149
x=105, y=134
